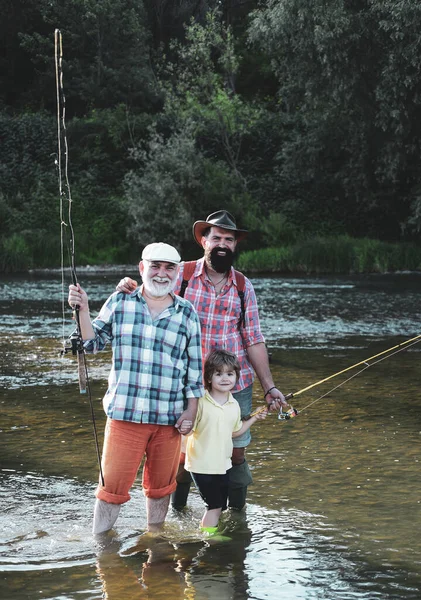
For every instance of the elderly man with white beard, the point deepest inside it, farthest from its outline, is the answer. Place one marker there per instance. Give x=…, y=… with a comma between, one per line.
x=153, y=387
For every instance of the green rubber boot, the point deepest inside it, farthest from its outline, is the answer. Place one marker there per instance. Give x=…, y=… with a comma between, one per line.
x=214, y=535
x=239, y=479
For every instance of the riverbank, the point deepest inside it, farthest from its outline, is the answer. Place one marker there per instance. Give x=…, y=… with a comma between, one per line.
x=341, y=255
x=333, y=255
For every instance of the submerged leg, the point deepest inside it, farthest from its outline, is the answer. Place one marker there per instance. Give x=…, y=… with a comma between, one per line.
x=179, y=497
x=211, y=518
x=239, y=479
x=156, y=510
x=105, y=515
x=237, y=498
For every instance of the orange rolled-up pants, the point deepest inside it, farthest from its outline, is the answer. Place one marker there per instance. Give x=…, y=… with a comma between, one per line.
x=125, y=446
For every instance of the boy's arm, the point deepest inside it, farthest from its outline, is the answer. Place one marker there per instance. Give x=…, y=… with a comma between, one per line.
x=187, y=418
x=247, y=424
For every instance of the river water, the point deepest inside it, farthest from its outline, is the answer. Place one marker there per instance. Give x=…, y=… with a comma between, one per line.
x=334, y=511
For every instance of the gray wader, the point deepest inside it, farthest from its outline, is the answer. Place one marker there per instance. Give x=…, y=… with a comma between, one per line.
x=179, y=497
x=240, y=477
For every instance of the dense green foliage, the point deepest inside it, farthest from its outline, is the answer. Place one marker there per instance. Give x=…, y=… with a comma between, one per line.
x=302, y=118
x=329, y=255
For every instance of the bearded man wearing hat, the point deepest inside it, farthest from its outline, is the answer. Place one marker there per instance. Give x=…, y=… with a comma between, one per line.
x=153, y=387
x=215, y=289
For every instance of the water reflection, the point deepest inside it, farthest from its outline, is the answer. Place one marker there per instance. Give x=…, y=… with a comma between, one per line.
x=325, y=312
x=177, y=567
x=302, y=312
x=32, y=525
x=334, y=509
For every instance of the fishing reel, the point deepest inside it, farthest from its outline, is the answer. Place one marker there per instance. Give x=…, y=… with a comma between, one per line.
x=282, y=416
x=289, y=414
x=73, y=344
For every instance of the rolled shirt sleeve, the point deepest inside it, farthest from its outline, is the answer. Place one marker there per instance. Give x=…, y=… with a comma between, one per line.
x=251, y=332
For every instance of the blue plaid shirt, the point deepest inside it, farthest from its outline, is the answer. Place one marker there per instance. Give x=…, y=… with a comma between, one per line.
x=156, y=364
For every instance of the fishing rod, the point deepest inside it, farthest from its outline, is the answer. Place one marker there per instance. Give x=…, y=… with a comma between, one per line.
x=292, y=412
x=75, y=339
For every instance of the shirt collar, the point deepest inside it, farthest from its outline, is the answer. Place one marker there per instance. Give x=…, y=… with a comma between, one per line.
x=209, y=398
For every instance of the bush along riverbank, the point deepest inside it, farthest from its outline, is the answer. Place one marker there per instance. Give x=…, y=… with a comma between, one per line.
x=313, y=256
x=341, y=255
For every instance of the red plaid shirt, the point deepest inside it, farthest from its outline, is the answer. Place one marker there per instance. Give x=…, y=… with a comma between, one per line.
x=219, y=317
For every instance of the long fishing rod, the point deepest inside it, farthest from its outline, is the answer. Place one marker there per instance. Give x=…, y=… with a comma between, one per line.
x=292, y=412
x=76, y=339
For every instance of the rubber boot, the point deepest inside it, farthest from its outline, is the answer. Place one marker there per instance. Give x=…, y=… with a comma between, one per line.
x=105, y=515
x=213, y=533
x=209, y=530
x=179, y=497
x=239, y=479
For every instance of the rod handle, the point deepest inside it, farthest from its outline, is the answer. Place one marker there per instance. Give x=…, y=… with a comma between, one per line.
x=81, y=371
x=257, y=411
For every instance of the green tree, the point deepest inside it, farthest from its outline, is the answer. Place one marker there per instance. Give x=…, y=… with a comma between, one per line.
x=173, y=185
x=194, y=161
x=399, y=103
x=106, y=54
x=332, y=61
x=17, y=76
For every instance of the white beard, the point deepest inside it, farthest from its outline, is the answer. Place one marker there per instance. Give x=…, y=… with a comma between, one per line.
x=158, y=290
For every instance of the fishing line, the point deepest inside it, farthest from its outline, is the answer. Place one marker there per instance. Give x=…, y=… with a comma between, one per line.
x=365, y=361
x=389, y=352
x=407, y=345
x=76, y=340
x=337, y=386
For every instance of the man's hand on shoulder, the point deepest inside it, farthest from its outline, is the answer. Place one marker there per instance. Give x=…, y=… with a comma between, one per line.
x=126, y=285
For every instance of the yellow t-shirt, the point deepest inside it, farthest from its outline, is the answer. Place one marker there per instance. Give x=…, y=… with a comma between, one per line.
x=209, y=447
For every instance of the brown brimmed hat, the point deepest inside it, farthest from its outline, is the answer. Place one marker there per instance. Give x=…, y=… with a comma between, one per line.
x=220, y=218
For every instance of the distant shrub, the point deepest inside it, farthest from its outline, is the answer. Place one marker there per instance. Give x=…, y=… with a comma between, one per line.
x=266, y=259
x=15, y=254
x=341, y=254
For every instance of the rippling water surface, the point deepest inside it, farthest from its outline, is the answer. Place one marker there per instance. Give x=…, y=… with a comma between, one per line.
x=334, y=511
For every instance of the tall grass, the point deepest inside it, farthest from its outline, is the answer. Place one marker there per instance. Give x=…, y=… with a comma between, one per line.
x=15, y=254
x=27, y=250
x=341, y=254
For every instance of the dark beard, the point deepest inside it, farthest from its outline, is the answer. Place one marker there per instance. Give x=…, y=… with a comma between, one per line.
x=220, y=264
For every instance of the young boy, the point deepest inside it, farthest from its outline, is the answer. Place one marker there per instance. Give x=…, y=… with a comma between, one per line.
x=209, y=445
